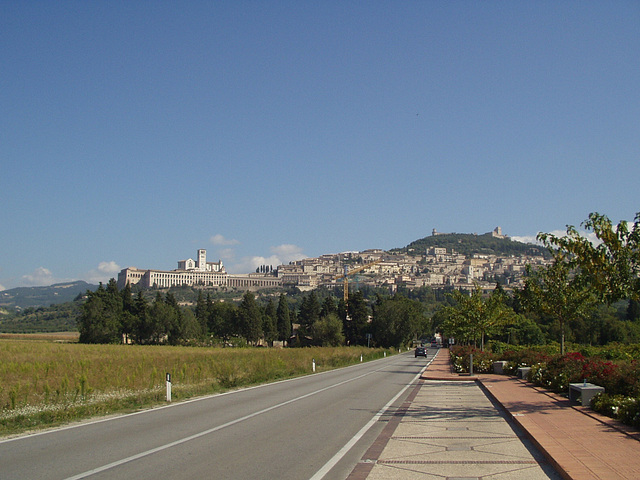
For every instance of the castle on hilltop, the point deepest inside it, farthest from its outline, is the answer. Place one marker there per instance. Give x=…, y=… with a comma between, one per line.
x=496, y=233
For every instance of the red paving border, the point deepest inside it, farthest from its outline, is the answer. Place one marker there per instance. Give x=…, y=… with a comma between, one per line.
x=579, y=443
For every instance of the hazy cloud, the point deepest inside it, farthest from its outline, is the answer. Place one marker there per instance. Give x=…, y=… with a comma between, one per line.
x=288, y=252
x=220, y=240
x=2, y=288
x=558, y=233
x=109, y=267
x=227, y=254
x=280, y=255
x=249, y=264
x=103, y=273
x=525, y=239
x=39, y=277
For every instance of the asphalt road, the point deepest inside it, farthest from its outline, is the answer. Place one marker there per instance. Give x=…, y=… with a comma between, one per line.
x=312, y=427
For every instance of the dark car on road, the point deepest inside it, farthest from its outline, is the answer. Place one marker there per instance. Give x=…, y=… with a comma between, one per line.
x=421, y=352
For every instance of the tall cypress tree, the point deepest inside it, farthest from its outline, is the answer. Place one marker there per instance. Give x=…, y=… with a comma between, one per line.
x=283, y=319
x=142, y=331
x=202, y=312
x=357, y=322
x=309, y=314
x=250, y=318
x=269, y=324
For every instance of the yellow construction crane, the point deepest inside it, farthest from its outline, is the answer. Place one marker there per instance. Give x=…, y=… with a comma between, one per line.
x=348, y=272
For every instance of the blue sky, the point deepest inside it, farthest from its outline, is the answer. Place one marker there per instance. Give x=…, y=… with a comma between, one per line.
x=134, y=133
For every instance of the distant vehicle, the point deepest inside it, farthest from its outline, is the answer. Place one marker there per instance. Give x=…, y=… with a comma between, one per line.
x=434, y=344
x=421, y=352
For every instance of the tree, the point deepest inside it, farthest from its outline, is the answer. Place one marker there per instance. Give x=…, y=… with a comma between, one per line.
x=283, y=319
x=174, y=321
x=633, y=310
x=202, y=311
x=143, y=330
x=269, y=323
x=327, y=331
x=328, y=306
x=222, y=320
x=101, y=317
x=309, y=314
x=356, y=323
x=553, y=291
x=162, y=319
x=473, y=317
x=127, y=319
x=396, y=321
x=189, y=328
x=250, y=318
x=612, y=267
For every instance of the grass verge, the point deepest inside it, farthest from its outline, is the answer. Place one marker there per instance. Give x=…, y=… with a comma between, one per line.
x=46, y=383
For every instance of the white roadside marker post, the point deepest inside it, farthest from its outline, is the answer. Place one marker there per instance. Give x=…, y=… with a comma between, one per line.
x=314, y=365
x=168, y=387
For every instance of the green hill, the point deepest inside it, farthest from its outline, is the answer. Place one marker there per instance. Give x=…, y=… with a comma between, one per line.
x=25, y=297
x=470, y=244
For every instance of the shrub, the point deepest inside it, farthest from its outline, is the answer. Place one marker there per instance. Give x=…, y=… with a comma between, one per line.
x=615, y=367
x=482, y=360
x=623, y=408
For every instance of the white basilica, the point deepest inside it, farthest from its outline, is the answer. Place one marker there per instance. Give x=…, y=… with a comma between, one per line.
x=193, y=272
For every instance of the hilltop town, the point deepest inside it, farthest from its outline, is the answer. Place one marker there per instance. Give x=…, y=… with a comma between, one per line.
x=434, y=266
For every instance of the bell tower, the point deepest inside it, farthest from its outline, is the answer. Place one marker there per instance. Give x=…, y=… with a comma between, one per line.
x=202, y=260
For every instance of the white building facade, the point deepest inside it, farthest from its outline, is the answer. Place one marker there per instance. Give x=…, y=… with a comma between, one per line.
x=197, y=272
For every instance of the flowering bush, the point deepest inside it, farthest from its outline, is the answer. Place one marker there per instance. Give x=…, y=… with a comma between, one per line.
x=574, y=367
x=525, y=357
x=623, y=408
x=482, y=360
x=615, y=367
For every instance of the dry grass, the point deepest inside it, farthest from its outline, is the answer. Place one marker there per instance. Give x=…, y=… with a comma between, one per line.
x=48, y=381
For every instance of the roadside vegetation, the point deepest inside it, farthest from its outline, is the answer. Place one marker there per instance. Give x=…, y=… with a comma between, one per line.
x=45, y=382
x=616, y=367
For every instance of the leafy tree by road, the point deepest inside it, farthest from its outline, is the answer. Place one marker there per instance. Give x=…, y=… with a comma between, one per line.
x=611, y=267
x=473, y=316
x=327, y=332
x=555, y=292
x=397, y=321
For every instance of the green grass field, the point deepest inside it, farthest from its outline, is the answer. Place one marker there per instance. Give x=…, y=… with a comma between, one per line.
x=50, y=380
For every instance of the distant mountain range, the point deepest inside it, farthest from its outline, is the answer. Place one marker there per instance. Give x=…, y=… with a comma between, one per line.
x=25, y=297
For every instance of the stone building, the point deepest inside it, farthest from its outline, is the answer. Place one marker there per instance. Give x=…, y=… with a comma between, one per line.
x=192, y=272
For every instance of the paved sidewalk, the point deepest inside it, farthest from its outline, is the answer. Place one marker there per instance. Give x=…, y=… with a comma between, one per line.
x=486, y=426
x=580, y=443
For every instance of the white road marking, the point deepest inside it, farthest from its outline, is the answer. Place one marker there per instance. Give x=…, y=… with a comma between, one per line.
x=320, y=474
x=211, y=430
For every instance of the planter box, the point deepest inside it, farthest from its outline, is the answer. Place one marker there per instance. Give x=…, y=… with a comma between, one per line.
x=586, y=391
x=498, y=367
